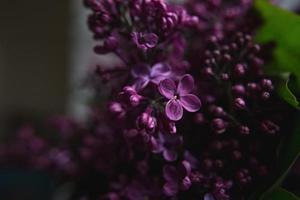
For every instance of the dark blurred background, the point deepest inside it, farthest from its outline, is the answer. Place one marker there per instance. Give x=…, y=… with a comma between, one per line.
x=45, y=52
x=45, y=49
x=34, y=58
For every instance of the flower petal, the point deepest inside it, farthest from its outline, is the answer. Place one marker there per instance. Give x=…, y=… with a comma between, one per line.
x=160, y=69
x=186, y=183
x=190, y=102
x=141, y=83
x=186, y=85
x=156, y=146
x=170, y=155
x=167, y=88
x=156, y=80
x=170, y=189
x=141, y=71
x=174, y=110
x=184, y=168
x=208, y=196
x=150, y=39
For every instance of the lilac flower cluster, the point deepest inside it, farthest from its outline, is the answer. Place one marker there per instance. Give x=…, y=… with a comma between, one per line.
x=176, y=125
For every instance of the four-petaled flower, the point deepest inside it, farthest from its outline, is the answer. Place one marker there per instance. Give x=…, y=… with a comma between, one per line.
x=144, y=41
x=144, y=74
x=179, y=96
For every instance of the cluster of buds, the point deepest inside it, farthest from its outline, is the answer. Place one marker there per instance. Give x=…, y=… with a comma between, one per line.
x=218, y=17
x=245, y=92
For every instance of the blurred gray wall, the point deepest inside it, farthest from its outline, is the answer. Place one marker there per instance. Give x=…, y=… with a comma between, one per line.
x=33, y=57
x=82, y=59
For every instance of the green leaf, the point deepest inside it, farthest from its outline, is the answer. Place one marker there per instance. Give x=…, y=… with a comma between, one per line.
x=283, y=28
x=285, y=92
x=280, y=194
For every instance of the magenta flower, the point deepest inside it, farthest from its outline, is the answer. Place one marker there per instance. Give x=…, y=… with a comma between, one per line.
x=145, y=74
x=179, y=97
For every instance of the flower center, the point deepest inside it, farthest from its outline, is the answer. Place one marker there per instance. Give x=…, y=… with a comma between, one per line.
x=176, y=96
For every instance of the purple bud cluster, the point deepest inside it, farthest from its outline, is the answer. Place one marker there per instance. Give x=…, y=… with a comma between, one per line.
x=218, y=17
x=189, y=116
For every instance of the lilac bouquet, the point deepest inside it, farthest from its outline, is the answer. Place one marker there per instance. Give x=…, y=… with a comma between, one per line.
x=201, y=106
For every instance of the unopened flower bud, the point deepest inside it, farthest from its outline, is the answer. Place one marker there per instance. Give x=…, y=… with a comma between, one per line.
x=267, y=84
x=207, y=164
x=172, y=127
x=252, y=87
x=224, y=77
x=129, y=90
x=244, y=130
x=234, y=46
x=115, y=107
x=239, y=104
x=199, y=118
x=269, y=127
x=238, y=90
x=147, y=121
x=243, y=176
x=256, y=48
x=135, y=99
x=257, y=61
x=265, y=95
x=239, y=70
x=186, y=183
x=218, y=126
x=236, y=155
x=111, y=43
x=219, y=164
x=217, y=111
x=185, y=168
x=217, y=145
x=208, y=71
x=95, y=5
x=227, y=57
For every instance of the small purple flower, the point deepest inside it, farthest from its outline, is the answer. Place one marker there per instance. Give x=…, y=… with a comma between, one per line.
x=166, y=144
x=177, y=178
x=145, y=41
x=145, y=74
x=179, y=97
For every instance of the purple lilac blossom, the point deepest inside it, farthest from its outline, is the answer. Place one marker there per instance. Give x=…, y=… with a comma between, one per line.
x=145, y=74
x=179, y=97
